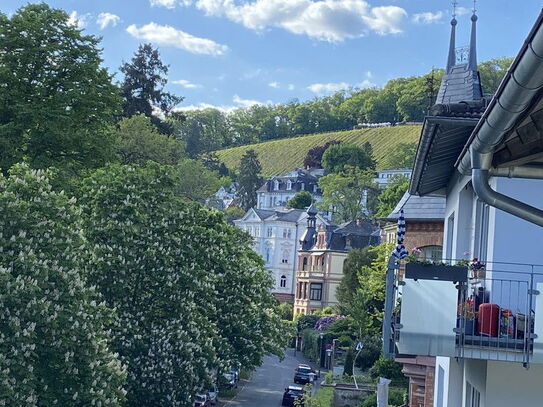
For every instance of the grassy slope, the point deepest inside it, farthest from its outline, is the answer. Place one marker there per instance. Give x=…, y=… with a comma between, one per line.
x=280, y=156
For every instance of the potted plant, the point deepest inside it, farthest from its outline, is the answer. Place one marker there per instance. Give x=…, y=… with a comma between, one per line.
x=467, y=316
x=477, y=270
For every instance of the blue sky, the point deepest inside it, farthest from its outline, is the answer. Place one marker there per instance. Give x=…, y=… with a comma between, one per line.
x=229, y=53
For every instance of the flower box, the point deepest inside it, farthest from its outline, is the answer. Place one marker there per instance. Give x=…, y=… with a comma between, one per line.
x=439, y=272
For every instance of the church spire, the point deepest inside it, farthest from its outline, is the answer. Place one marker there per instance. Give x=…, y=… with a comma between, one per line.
x=451, y=61
x=472, y=64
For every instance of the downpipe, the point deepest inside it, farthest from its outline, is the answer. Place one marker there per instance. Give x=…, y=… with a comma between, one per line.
x=480, y=175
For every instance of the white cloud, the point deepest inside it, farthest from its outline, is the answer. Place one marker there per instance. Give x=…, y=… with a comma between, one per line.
x=462, y=11
x=105, y=19
x=171, y=37
x=170, y=3
x=80, y=21
x=245, y=102
x=274, y=85
x=238, y=103
x=326, y=20
x=203, y=106
x=332, y=87
x=428, y=17
x=186, y=84
x=321, y=88
x=290, y=86
x=164, y=3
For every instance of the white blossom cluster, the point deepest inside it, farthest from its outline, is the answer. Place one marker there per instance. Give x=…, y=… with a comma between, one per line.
x=54, y=343
x=126, y=297
x=190, y=295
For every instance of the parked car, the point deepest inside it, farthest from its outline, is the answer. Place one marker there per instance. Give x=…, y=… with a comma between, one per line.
x=201, y=400
x=304, y=375
x=235, y=372
x=213, y=394
x=292, y=397
x=229, y=380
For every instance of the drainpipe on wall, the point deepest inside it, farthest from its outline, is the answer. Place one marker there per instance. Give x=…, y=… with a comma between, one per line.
x=480, y=179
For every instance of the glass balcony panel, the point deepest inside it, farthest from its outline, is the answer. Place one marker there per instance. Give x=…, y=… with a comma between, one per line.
x=428, y=318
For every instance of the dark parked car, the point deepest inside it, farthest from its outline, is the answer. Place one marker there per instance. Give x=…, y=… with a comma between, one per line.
x=292, y=397
x=201, y=400
x=304, y=375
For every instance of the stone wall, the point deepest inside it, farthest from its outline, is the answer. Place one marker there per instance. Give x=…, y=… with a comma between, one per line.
x=347, y=395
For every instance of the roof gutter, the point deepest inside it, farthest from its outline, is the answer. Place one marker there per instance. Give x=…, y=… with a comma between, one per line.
x=512, y=100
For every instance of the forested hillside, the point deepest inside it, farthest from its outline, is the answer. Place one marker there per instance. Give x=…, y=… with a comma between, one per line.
x=280, y=156
x=401, y=100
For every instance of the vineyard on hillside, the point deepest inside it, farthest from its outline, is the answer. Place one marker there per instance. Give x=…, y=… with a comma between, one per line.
x=280, y=156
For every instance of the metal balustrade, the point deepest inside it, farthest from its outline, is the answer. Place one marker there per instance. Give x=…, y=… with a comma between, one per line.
x=495, y=315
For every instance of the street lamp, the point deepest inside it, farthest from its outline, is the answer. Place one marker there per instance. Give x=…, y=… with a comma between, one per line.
x=321, y=339
x=329, y=357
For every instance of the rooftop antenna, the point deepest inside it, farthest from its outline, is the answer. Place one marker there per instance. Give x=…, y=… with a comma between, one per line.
x=474, y=6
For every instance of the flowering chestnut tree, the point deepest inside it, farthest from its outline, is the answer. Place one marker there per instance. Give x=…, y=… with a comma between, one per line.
x=145, y=263
x=54, y=349
x=191, y=296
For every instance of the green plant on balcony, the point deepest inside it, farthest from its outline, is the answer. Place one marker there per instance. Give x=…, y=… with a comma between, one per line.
x=466, y=310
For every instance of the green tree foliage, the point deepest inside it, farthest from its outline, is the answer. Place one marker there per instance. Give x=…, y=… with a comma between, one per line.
x=181, y=313
x=143, y=87
x=139, y=141
x=212, y=162
x=402, y=156
x=313, y=159
x=396, y=398
x=60, y=103
x=249, y=179
x=350, y=283
x=492, y=73
x=308, y=321
x=400, y=100
x=339, y=156
x=391, y=195
x=196, y=182
x=300, y=200
x=54, y=349
x=286, y=310
x=349, y=359
x=343, y=192
x=203, y=131
x=389, y=369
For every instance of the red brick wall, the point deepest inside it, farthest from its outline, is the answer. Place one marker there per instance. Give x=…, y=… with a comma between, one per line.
x=421, y=234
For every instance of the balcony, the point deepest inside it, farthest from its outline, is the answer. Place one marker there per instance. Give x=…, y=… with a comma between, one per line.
x=489, y=313
x=312, y=272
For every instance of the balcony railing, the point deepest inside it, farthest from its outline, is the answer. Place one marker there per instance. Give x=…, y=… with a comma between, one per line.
x=488, y=313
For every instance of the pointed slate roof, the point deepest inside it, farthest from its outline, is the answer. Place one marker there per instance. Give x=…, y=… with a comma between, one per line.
x=461, y=82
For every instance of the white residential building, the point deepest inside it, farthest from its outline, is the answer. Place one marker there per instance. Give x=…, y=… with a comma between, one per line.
x=277, y=236
x=276, y=192
x=484, y=323
x=385, y=176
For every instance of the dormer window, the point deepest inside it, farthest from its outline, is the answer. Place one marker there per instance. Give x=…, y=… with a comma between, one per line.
x=275, y=185
x=289, y=185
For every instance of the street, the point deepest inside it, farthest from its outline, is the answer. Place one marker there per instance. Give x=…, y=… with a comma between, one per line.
x=265, y=389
